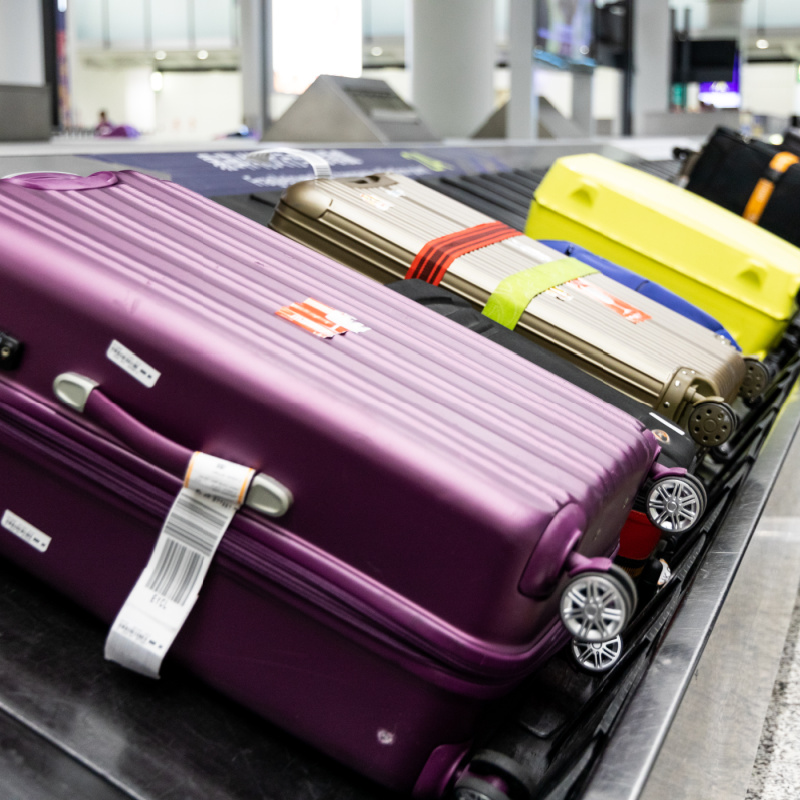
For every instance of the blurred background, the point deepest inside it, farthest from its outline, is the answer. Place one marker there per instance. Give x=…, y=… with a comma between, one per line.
x=201, y=69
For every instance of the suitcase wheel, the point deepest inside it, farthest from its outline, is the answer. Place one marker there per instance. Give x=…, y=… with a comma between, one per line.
x=492, y=775
x=756, y=379
x=596, y=606
x=470, y=787
x=675, y=505
x=597, y=656
x=711, y=423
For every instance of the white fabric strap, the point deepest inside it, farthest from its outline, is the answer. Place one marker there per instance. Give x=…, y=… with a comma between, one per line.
x=165, y=593
x=322, y=169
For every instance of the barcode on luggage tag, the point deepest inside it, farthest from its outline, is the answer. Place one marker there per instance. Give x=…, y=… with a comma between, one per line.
x=176, y=572
x=195, y=523
x=165, y=593
x=190, y=533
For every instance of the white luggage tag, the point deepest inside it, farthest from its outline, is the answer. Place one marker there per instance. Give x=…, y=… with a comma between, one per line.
x=213, y=490
x=167, y=589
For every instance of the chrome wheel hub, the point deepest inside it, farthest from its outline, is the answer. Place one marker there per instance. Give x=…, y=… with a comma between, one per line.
x=674, y=505
x=597, y=656
x=594, y=608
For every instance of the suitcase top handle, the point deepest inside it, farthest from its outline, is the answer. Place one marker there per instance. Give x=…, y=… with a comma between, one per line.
x=62, y=181
x=265, y=494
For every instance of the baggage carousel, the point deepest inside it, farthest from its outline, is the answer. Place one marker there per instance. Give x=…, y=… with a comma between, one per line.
x=680, y=715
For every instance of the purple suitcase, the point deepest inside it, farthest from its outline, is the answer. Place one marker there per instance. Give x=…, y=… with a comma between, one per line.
x=441, y=492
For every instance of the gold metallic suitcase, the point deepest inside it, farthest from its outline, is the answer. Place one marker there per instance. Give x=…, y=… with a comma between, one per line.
x=390, y=227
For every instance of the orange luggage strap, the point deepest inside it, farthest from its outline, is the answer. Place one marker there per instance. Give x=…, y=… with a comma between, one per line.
x=766, y=185
x=436, y=257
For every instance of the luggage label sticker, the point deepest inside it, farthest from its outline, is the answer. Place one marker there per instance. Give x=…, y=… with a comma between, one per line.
x=319, y=319
x=128, y=361
x=559, y=293
x=620, y=307
x=25, y=531
x=167, y=589
x=375, y=202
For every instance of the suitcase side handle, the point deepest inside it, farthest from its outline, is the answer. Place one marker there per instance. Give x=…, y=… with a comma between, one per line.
x=265, y=495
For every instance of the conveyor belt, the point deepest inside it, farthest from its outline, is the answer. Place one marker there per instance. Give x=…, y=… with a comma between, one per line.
x=94, y=730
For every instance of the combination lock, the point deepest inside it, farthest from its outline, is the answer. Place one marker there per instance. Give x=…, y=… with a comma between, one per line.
x=10, y=351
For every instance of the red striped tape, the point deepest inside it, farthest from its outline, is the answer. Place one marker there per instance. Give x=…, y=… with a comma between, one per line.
x=436, y=257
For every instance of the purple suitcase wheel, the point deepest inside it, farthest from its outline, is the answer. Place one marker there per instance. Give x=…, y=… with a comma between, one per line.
x=596, y=606
x=492, y=775
x=597, y=656
x=473, y=788
x=675, y=505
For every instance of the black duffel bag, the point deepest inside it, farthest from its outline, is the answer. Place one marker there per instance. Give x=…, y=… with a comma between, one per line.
x=753, y=179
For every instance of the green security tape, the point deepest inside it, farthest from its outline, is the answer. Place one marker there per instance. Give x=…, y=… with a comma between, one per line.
x=514, y=293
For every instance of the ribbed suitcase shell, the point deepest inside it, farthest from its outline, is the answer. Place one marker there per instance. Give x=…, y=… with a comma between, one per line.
x=667, y=361
x=641, y=285
x=506, y=196
x=743, y=275
x=677, y=448
x=426, y=466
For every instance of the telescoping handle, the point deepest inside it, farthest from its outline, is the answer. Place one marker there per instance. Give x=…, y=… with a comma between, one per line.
x=265, y=494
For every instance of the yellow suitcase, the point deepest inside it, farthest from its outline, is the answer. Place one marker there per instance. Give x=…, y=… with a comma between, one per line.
x=739, y=273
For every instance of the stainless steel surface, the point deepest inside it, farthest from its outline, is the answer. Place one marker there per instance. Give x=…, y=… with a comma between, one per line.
x=632, y=751
x=776, y=771
x=712, y=743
